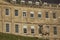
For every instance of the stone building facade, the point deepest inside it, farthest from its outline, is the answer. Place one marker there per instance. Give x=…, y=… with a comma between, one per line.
x=29, y=19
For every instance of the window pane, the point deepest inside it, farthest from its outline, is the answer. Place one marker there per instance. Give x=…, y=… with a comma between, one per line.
x=7, y=11
x=16, y=12
x=32, y=30
x=47, y=15
x=55, y=30
x=16, y=28
x=7, y=27
x=25, y=30
x=32, y=15
x=24, y=14
x=54, y=15
x=39, y=15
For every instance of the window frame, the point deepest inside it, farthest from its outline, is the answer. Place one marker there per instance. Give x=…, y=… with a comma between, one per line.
x=37, y=3
x=16, y=12
x=25, y=29
x=14, y=0
x=54, y=15
x=32, y=14
x=40, y=28
x=32, y=29
x=30, y=2
x=55, y=30
x=22, y=1
x=47, y=15
x=24, y=13
x=39, y=14
x=6, y=11
x=16, y=28
x=7, y=27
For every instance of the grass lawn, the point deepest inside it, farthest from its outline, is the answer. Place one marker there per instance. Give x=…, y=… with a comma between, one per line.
x=4, y=36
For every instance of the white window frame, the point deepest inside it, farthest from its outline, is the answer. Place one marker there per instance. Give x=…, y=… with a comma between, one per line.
x=30, y=2
x=37, y=3
x=22, y=1
x=14, y=0
x=26, y=13
x=45, y=3
x=32, y=27
x=32, y=13
x=24, y=27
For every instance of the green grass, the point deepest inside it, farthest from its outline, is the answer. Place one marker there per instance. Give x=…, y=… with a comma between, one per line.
x=4, y=36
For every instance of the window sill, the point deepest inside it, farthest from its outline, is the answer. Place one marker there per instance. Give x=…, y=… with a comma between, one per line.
x=54, y=19
x=47, y=18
